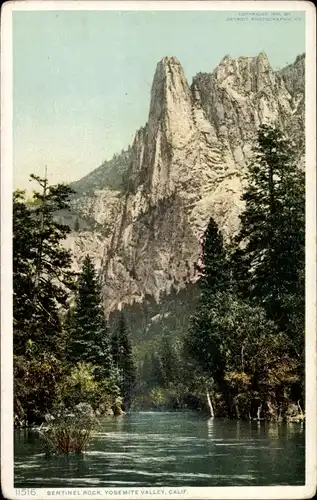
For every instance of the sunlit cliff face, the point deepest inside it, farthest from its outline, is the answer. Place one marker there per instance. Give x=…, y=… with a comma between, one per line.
x=185, y=165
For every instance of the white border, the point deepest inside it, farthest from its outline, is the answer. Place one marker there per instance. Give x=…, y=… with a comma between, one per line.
x=234, y=5
x=250, y=492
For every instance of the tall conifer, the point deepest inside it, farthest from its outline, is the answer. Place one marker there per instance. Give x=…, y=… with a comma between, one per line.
x=123, y=359
x=204, y=343
x=90, y=340
x=42, y=275
x=270, y=261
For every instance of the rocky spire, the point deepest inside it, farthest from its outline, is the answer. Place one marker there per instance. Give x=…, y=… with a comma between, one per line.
x=170, y=103
x=186, y=165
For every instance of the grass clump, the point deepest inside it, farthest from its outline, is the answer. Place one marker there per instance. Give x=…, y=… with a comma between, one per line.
x=70, y=432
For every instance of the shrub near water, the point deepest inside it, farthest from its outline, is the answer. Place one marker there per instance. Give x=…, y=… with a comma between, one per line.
x=71, y=433
x=81, y=385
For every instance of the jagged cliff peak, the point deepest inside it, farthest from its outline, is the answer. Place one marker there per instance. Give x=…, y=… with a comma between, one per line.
x=185, y=165
x=227, y=60
x=250, y=73
x=169, y=60
x=170, y=96
x=262, y=56
x=169, y=71
x=293, y=75
x=169, y=127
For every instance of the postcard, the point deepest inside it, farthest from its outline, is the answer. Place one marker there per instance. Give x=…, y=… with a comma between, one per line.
x=158, y=249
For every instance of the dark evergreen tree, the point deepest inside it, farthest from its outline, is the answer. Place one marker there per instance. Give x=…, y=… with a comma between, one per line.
x=270, y=261
x=233, y=342
x=42, y=280
x=90, y=340
x=123, y=359
x=150, y=372
x=203, y=343
x=215, y=269
x=42, y=276
x=169, y=357
x=155, y=372
x=167, y=361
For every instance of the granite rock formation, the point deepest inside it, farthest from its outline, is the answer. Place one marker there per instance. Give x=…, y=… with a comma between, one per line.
x=185, y=165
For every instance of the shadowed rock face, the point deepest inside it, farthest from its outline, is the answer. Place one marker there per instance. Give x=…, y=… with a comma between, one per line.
x=185, y=165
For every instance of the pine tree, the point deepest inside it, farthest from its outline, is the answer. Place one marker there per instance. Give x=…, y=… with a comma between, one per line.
x=203, y=343
x=42, y=276
x=155, y=372
x=42, y=281
x=270, y=261
x=215, y=270
x=169, y=356
x=123, y=359
x=237, y=335
x=90, y=341
x=233, y=342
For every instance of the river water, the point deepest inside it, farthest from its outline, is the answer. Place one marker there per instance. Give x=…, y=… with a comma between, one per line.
x=163, y=449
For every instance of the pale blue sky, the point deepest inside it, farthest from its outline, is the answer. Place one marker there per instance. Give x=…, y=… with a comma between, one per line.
x=82, y=79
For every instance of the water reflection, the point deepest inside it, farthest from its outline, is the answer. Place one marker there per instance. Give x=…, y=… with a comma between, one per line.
x=210, y=424
x=170, y=449
x=238, y=430
x=273, y=431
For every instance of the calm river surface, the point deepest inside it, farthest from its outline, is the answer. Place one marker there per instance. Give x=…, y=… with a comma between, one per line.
x=163, y=449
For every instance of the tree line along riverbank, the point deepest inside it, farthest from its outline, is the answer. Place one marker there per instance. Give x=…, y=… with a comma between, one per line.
x=242, y=353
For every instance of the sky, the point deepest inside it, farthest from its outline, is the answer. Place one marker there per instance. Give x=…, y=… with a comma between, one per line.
x=82, y=79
